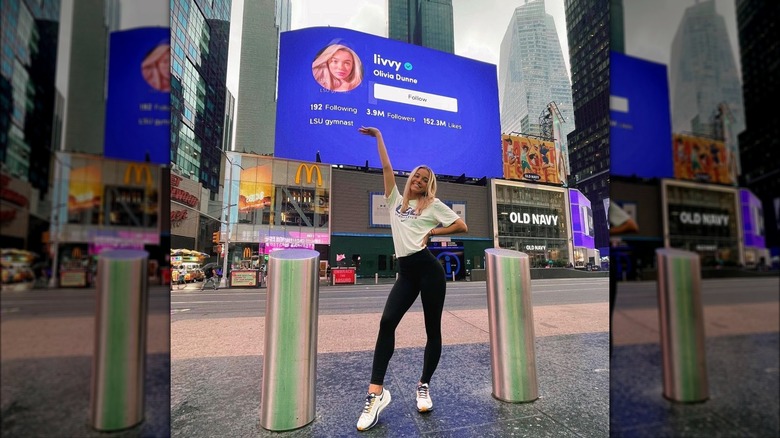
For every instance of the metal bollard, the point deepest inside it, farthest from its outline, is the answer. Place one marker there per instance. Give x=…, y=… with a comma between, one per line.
x=117, y=393
x=290, y=358
x=510, y=314
x=681, y=317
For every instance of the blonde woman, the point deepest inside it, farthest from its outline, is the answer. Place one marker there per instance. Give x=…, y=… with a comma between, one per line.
x=414, y=218
x=338, y=68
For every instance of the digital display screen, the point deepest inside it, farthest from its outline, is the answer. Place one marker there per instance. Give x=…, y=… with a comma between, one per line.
x=640, y=134
x=432, y=107
x=138, y=112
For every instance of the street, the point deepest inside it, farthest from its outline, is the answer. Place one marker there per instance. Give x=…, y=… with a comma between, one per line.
x=66, y=302
x=191, y=302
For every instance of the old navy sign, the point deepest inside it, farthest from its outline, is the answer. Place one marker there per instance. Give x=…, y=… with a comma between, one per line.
x=533, y=219
x=693, y=218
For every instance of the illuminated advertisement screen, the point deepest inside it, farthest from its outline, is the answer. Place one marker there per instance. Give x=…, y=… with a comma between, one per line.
x=702, y=159
x=531, y=159
x=581, y=219
x=138, y=114
x=432, y=107
x=752, y=219
x=640, y=123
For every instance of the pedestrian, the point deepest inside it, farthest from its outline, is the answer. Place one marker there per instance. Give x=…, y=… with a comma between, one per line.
x=414, y=218
x=209, y=274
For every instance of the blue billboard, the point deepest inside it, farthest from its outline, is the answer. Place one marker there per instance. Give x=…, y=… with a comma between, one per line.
x=138, y=112
x=432, y=107
x=640, y=135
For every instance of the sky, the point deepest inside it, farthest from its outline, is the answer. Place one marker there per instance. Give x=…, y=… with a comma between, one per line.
x=479, y=25
x=650, y=26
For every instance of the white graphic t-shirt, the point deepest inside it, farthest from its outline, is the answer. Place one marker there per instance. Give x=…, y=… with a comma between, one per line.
x=409, y=229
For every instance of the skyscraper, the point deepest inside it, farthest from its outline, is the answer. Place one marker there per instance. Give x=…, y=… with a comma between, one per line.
x=588, y=30
x=532, y=72
x=703, y=75
x=199, y=51
x=264, y=20
x=426, y=23
x=759, y=144
x=28, y=58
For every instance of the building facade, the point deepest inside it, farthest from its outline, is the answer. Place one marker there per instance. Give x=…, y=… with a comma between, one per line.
x=264, y=20
x=759, y=143
x=426, y=23
x=341, y=213
x=101, y=204
x=27, y=71
x=199, y=51
x=274, y=204
x=532, y=72
x=533, y=219
x=703, y=75
x=588, y=30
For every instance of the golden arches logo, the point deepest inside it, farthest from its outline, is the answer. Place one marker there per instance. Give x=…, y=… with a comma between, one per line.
x=76, y=253
x=247, y=252
x=139, y=170
x=309, y=173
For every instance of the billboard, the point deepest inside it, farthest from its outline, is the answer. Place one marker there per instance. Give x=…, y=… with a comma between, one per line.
x=581, y=219
x=138, y=112
x=752, y=219
x=702, y=159
x=432, y=107
x=531, y=159
x=640, y=120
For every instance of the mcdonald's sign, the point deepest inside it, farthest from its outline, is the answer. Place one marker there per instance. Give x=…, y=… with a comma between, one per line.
x=309, y=173
x=76, y=253
x=247, y=253
x=140, y=170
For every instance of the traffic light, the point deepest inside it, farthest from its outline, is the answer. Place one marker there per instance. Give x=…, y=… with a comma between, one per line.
x=218, y=249
x=215, y=237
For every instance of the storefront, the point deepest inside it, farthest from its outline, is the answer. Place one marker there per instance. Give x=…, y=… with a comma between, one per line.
x=14, y=211
x=533, y=219
x=274, y=204
x=185, y=208
x=703, y=218
x=101, y=204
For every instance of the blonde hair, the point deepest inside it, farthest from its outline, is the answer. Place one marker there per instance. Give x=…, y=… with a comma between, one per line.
x=430, y=190
x=322, y=75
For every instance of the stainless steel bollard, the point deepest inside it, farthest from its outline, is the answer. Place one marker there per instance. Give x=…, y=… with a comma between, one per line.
x=681, y=316
x=290, y=357
x=117, y=393
x=512, y=348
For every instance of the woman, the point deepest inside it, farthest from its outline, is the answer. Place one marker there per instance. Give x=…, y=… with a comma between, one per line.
x=414, y=217
x=338, y=68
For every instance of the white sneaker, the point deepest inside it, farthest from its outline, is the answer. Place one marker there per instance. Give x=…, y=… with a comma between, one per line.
x=374, y=405
x=424, y=402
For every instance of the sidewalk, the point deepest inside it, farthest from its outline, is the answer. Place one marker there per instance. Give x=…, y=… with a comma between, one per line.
x=46, y=372
x=742, y=344
x=217, y=365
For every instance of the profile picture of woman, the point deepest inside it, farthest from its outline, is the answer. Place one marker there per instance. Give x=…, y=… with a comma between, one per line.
x=337, y=68
x=156, y=68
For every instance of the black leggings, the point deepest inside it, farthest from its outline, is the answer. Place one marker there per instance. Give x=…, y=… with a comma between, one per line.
x=419, y=273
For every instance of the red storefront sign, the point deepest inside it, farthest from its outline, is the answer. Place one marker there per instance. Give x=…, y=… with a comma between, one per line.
x=343, y=275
